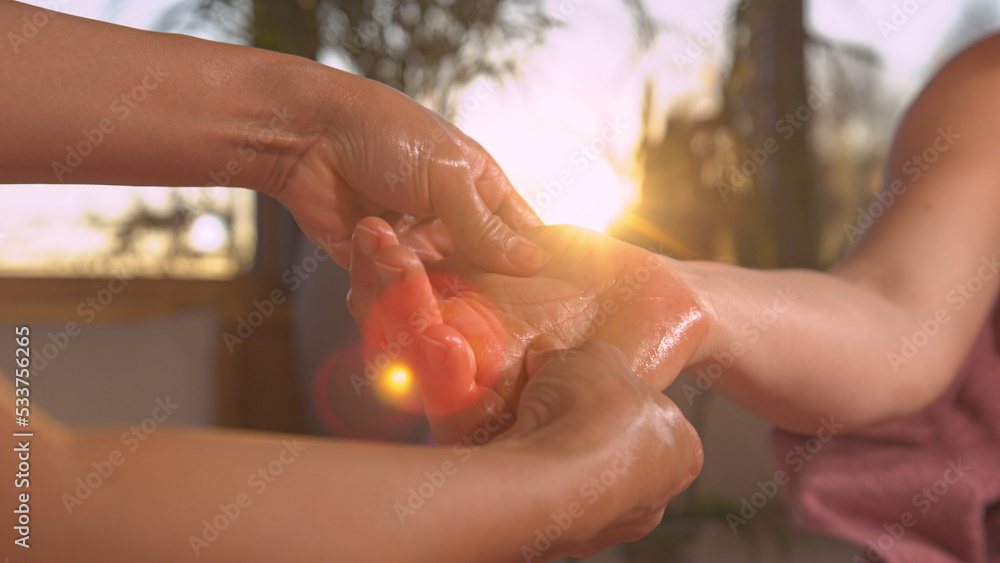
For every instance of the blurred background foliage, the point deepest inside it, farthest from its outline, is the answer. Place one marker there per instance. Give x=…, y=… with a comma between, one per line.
x=708, y=185
x=711, y=179
x=428, y=49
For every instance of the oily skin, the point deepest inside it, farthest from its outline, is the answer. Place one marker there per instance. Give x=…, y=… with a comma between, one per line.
x=318, y=140
x=592, y=287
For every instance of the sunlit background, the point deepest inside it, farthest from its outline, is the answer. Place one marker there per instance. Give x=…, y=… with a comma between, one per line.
x=629, y=117
x=572, y=125
x=85, y=231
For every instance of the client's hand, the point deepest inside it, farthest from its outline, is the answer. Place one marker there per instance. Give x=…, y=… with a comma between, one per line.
x=623, y=449
x=593, y=287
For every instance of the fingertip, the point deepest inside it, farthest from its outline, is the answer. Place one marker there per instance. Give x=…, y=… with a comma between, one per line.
x=404, y=297
x=527, y=256
x=544, y=342
x=391, y=275
x=372, y=233
x=489, y=240
x=435, y=351
x=507, y=252
x=367, y=240
x=395, y=263
x=447, y=348
x=375, y=223
x=369, y=236
x=448, y=380
x=363, y=297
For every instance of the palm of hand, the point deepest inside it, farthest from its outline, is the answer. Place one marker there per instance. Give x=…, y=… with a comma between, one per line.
x=593, y=287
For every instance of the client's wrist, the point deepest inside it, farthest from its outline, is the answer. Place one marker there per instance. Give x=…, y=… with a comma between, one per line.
x=701, y=282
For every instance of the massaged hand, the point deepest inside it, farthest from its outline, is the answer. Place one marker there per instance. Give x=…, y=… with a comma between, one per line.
x=624, y=449
x=593, y=287
x=378, y=152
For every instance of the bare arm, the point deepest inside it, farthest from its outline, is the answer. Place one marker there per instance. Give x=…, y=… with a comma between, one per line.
x=89, y=102
x=601, y=458
x=796, y=346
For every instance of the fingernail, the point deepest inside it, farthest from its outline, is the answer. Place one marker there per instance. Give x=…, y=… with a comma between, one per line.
x=367, y=240
x=528, y=255
x=390, y=274
x=435, y=352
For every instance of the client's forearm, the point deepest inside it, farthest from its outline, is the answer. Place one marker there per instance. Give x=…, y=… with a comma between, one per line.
x=798, y=346
x=887, y=330
x=231, y=496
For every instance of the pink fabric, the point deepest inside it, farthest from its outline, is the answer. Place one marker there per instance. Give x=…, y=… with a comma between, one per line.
x=941, y=466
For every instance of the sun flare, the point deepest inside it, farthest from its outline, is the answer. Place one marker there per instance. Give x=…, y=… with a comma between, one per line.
x=395, y=385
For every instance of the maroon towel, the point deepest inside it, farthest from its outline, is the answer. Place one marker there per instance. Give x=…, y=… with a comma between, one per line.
x=923, y=489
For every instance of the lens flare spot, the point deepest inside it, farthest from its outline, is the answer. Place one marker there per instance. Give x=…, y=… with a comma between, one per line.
x=395, y=386
x=399, y=377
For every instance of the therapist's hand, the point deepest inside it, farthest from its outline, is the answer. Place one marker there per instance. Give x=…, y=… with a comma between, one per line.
x=625, y=447
x=375, y=151
x=594, y=287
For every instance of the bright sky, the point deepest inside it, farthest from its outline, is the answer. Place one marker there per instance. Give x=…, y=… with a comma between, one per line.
x=908, y=38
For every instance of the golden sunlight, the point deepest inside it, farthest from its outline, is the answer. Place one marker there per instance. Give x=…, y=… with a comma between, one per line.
x=395, y=386
x=579, y=176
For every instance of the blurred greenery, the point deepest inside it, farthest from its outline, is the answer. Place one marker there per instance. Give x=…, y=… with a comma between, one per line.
x=428, y=49
x=789, y=210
